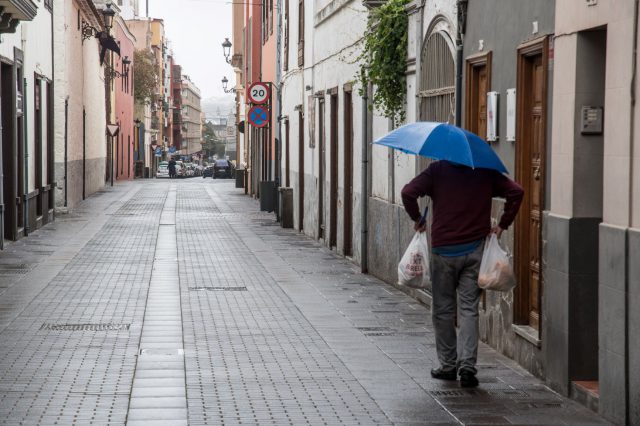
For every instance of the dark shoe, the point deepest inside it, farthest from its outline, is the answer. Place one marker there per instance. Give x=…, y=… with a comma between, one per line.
x=441, y=374
x=468, y=379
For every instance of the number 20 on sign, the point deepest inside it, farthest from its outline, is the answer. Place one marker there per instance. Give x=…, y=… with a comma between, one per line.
x=259, y=93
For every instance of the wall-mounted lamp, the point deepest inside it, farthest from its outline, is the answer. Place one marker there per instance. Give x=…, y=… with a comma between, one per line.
x=225, y=83
x=125, y=69
x=226, y=50
x=89, y=31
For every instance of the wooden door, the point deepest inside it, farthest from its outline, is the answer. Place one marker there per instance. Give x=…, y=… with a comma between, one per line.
x=348, y=174
x=333, y=177
x=300, y=170
x=478, y=84
x=322, y=165
x=9, y=157
x=287, y=157
x=530, y=156
x=37, y=124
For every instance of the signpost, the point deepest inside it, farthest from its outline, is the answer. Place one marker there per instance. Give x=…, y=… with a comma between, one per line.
x=259, y=93
x=259, y=116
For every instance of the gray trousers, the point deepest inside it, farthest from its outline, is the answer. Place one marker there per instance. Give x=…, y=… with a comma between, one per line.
x=449, y=274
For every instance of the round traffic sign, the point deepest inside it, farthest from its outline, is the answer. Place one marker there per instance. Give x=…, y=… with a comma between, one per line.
x=259, y=116
x=259, y=93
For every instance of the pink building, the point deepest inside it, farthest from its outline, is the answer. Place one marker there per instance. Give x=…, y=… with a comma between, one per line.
x=124, y=102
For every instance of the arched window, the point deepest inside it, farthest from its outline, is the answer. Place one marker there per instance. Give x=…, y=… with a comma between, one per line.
x=437, y=78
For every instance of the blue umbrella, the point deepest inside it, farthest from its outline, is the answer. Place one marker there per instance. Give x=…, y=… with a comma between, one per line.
x=443, y=141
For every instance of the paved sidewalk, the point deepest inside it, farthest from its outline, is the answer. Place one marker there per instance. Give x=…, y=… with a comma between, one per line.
x=274, y=328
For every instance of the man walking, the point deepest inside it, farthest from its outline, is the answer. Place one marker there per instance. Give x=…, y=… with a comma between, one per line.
x=172, y=168
x=462, y=199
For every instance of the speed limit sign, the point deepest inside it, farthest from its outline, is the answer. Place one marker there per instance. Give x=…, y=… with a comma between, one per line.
x=259, y=93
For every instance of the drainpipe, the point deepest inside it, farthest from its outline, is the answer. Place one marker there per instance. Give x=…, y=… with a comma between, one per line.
x=25, y=210
x=84, y=153
x=364, y=267
x=66, y=148
x=462, y=18
x=632, y=111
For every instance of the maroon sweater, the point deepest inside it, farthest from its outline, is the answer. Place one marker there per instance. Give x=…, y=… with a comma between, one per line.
x=461, y=201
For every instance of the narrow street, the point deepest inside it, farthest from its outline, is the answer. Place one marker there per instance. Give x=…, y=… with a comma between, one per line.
x=179, y=301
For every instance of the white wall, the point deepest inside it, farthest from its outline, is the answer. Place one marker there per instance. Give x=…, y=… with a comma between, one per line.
x=78, y=77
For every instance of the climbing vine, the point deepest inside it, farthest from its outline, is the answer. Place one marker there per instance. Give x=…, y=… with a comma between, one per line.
x=383, y=61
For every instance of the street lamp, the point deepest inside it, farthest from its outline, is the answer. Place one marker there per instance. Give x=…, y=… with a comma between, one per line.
x=125, y=69
x=225, y=83
x=89, y=31
x=226, y=49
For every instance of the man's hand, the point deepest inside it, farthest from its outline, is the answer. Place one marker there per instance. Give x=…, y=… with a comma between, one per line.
x=497, y=230
x=420, y=227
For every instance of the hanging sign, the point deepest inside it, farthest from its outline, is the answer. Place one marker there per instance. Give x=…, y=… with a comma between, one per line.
x=259, y=93
x=172, y=149
x=259, y=116
x=158, y=152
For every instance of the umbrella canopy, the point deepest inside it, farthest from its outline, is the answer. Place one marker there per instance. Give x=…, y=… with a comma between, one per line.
x=443, y=141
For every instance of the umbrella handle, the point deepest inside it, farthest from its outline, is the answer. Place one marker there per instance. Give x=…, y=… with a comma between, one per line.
x=423, y=219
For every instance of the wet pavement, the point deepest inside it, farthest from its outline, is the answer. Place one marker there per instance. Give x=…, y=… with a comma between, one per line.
x=178, y=302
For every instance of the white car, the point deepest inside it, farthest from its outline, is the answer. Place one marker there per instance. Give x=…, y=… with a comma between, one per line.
x=163, y=170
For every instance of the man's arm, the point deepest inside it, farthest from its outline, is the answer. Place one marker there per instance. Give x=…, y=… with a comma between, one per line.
x=513, y=193
x=420, y=186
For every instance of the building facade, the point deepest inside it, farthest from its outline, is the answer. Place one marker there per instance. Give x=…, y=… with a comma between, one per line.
x=26, y=110
x=122, y=83
x=591, y=242
x=80, y=104
x=191, y=117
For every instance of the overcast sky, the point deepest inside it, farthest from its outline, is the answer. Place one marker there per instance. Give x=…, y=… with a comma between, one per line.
x=197, y=29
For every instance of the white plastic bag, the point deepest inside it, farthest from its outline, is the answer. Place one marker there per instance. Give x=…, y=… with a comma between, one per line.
x=496, y=272
x=413, y=269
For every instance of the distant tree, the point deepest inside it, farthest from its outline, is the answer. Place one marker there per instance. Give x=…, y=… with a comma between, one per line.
x=145, y=76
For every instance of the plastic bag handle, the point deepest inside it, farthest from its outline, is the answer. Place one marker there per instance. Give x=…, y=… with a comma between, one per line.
x=423, y=219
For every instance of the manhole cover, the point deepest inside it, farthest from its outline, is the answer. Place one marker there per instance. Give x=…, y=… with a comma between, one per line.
x=369, y=329
x=456, y=392
x=14, y=269
x=85, y=327
x=217, y=288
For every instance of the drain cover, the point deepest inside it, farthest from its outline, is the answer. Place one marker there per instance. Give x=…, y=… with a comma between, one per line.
x=85, y=327
x=218, y=288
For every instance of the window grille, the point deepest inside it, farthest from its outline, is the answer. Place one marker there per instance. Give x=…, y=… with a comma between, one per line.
x=437, y=79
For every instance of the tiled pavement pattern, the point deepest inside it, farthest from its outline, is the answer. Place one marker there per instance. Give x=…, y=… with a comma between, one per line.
x=276, y=330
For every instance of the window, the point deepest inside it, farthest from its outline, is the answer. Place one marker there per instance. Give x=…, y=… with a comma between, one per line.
x=300, y=33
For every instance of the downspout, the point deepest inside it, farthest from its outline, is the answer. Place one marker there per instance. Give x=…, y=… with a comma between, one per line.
x=634, y=72
x=364, y=242
x=50, y=102
x=278, y=108
x=84, y=153
x=66, y=149
x=462, y=18
x=25, y=210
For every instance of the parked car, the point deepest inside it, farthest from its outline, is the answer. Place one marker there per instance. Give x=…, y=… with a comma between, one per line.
x=223, y=168
x=208, y=171
x=180, y=169
x=163, y=170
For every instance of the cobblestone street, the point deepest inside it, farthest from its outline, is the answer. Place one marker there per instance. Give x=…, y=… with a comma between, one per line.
x=179, y=302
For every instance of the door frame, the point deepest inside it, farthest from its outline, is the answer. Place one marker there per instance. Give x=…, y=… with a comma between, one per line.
x=321, y=166
x=539, y=46
x=472, y=64
x=333, y=167
x=347, y=103
x=301, y=170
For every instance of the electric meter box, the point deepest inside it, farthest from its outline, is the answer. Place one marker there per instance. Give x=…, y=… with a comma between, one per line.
x=591, y=120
